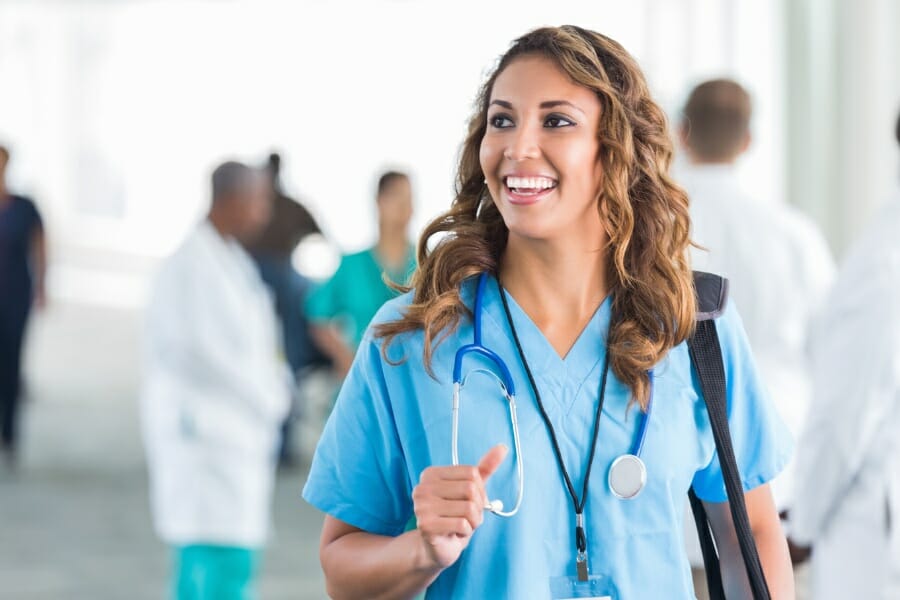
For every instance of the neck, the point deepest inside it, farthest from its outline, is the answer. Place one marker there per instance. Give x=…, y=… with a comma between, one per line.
x=555, y=281
x=392, y=245
x=725, y=162
x=220, y=223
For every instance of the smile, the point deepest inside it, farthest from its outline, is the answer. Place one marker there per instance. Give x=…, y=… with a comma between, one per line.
x=528, y=190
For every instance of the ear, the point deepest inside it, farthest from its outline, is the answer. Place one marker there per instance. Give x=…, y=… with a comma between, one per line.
x=683, y=133
x=745, y=144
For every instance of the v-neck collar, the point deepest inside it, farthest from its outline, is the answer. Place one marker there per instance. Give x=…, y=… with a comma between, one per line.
x=583, y=357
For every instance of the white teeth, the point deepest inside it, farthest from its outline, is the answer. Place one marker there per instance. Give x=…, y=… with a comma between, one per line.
x=530, y=183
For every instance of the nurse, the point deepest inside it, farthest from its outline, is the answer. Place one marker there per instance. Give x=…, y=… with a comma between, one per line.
x=564, y=200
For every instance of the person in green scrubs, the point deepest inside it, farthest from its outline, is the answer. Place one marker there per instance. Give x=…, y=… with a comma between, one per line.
x=341, y=308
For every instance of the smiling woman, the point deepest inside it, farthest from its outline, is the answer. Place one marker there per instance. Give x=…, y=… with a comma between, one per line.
x=566, y=245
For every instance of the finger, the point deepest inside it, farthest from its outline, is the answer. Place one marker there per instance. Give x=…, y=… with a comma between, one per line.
x=438, y=506
x=472, y=491
x=459, y=526
x=457, y=473
x=490, y=461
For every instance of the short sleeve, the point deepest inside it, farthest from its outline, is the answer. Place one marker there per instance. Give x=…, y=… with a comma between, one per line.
x=762, y=442
x=359, y=473
x=324, y=302
x=36, y=223
x=28, y=216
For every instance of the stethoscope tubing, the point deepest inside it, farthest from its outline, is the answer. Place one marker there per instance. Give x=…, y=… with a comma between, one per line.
x=506, y=381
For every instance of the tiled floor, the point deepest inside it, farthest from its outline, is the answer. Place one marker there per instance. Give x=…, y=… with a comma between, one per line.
x=75, y=521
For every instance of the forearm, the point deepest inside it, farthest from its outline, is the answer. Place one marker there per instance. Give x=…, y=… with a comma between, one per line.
x=770, y=544
x=329, y=340
x=776, y=562
x=364, y=565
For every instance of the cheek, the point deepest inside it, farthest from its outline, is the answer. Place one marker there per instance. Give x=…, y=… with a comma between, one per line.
x=489, y=156
x=581, y=164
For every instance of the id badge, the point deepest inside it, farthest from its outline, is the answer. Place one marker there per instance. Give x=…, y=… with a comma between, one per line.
x=597, y=587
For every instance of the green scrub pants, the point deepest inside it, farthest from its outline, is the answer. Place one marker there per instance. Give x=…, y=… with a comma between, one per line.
x=202, y=572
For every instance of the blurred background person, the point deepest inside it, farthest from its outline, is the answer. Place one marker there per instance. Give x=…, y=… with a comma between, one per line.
x=23, y=263
x=778, y=263
x=215, y=395
x=847, y=497
x=289, y=224
x=342, y=307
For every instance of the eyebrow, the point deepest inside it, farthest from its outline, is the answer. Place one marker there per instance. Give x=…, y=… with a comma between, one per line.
x=544, y=105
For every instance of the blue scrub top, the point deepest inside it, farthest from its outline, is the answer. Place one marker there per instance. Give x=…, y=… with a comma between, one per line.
x=392, y=421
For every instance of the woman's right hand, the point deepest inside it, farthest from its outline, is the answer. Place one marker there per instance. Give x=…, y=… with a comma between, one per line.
x=449, y=503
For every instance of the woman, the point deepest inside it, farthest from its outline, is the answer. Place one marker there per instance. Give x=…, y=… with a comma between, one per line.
x=564, y=200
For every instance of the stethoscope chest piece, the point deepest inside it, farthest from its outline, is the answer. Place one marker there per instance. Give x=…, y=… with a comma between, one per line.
x=627, y=477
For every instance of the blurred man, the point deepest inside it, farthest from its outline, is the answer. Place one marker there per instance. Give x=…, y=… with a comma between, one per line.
x=273, y=249
x=777, y=262
x=22, y=266
x=215, y=394
x=341, y=309
x=847, y=499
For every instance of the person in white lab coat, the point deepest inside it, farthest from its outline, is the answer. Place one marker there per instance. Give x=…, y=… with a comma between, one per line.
x=778, y=263
x=847, y=496
x=215, y=393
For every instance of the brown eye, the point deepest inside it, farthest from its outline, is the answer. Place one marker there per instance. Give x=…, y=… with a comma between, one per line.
x=556, y=121
x=501, y=122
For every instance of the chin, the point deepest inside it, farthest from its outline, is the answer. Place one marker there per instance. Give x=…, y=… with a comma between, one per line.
x=533, y=231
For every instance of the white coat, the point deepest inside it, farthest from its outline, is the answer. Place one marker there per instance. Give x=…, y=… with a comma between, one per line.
x=779, y=269
x=215, y=393
x=847, y=500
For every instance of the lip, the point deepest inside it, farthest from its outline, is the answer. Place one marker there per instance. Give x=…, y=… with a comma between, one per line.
x=526, y=199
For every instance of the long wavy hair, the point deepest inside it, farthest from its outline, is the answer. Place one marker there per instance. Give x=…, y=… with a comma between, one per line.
x=644, y=212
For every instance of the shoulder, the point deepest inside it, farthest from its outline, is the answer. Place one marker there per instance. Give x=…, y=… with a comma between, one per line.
x=26, y=205
x=352, y=262
x=188, y=256
x=356, y=257
x=714, y=303
x=394, y=309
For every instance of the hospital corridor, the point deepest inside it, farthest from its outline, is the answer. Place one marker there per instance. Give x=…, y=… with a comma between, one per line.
x=479, y=300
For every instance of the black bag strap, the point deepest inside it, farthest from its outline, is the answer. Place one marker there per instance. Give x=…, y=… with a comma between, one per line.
x=708, y=547
x=706, y=356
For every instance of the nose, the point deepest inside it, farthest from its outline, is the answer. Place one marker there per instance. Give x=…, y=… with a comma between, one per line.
x=523, y=144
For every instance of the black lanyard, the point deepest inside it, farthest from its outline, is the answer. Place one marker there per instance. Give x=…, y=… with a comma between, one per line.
x=580, y=537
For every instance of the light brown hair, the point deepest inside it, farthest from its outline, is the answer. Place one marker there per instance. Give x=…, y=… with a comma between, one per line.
x=644, y=212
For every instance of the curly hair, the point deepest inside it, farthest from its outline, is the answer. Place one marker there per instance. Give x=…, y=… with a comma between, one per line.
x=645, y=215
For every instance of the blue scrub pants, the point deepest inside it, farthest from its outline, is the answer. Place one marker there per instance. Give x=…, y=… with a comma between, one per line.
x=204, y=572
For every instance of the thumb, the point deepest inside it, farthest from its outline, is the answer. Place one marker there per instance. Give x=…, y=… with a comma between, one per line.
x=490, y=461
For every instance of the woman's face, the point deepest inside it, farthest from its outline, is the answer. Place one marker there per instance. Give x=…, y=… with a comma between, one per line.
x=540, y=151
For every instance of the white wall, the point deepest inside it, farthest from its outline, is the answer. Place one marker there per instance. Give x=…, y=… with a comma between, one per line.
x=842, y=96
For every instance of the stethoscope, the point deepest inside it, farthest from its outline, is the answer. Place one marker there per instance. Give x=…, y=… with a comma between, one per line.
x=627, y=474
